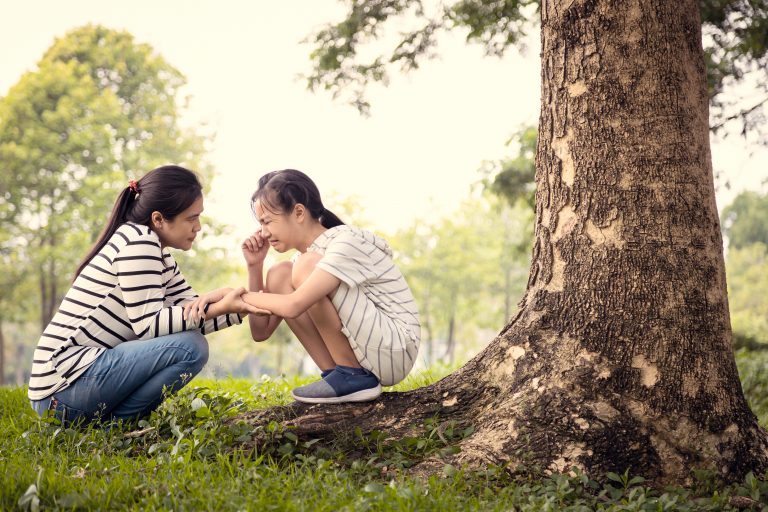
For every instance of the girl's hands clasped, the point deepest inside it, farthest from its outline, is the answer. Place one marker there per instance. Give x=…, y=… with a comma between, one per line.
x=233, y=301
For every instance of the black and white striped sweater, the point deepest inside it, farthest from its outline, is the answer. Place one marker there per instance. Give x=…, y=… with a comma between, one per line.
x=130, y=290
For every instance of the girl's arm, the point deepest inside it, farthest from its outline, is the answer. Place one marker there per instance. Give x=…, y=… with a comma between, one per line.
x=255, y=249
x=319, y=284
x=262, y=326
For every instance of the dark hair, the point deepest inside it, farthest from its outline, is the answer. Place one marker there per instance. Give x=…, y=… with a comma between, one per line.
x=169, y=189
x=282, y=190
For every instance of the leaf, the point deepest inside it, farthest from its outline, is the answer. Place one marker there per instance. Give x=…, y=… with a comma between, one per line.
x=449, y=470
x=30, y=500
x=197, y=403
x=72, y=500
x=374, y=488
x=203, y=412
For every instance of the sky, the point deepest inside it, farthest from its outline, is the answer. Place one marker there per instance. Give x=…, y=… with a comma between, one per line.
x=416, y=156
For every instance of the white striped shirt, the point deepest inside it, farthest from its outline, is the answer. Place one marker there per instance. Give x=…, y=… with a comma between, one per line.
x=376, y=307
x=130, y=290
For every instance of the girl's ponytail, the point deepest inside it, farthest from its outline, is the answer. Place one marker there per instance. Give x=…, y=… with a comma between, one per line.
x=284, y=189
x=116, y=218
x=329, y=219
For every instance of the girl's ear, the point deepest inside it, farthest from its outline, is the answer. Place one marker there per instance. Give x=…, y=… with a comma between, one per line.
x=156, y=219
x=299, y=211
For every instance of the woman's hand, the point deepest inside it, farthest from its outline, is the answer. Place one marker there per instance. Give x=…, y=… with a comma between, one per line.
x=233, y=301
x=195, y=309
x=255, y=249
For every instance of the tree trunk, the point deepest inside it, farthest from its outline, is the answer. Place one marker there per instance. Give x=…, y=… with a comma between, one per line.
x=507, y=294
x=43, y=298
x=620, y=355
x=450, y=344
x=2, y=354
x=21, y=376
x=280, y=356
x=426, y=332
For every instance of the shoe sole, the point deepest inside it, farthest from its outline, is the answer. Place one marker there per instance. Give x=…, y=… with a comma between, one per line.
x=363, y=395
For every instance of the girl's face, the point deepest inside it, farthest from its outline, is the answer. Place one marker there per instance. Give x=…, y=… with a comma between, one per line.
x=180, y=232
x=280, y=229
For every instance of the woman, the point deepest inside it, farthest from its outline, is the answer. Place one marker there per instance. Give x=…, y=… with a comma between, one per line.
x=119, y=340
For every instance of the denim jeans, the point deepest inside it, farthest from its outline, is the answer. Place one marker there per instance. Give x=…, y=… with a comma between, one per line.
x=127, y=382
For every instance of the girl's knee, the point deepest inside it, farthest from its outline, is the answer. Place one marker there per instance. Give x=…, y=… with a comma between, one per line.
x=279, y=277
x=304, y=266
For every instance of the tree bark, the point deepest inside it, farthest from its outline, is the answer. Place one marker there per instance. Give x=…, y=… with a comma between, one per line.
x=620, y=356
x=450, y=344
x=2, y=354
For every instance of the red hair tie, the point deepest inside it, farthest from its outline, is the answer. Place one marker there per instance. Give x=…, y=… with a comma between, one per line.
x=133, y=186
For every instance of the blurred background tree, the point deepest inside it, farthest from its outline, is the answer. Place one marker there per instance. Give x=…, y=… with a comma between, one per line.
x=101, y=108
x=98, y=110
x=746, y=233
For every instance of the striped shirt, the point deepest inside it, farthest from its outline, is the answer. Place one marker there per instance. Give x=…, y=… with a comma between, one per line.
x=130, y=290
x=378, y=313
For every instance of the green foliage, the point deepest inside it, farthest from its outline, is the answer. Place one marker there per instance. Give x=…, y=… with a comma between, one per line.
x=453, y=267
x=744, y=220
x=754, y=381
x=735, y=41
x=736, y=46
x=514, y=179
x=744, y=226
x=99, y=108
x=193, y=455
x=747, y=271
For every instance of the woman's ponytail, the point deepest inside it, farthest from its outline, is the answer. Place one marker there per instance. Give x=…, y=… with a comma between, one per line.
x=116, y=218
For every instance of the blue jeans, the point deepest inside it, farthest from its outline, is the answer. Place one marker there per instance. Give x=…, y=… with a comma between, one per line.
x=127, y=382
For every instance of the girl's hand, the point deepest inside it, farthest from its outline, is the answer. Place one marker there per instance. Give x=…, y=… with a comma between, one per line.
x=253, y=309
x=255, y=249
x=195, y=309
x=233, y=301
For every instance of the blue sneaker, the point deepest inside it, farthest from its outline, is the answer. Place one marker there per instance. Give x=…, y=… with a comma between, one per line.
x=343, y=384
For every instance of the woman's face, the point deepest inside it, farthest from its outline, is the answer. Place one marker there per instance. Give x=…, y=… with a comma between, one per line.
x=180, y=232
x=277, y=228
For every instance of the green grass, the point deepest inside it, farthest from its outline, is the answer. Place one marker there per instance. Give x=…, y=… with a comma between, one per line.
x=188, y=459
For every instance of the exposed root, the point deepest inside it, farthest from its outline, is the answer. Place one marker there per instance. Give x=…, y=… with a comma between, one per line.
x=537, y=402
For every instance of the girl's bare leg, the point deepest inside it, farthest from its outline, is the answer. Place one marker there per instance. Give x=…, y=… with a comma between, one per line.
x=324, y=315
x=279, y=281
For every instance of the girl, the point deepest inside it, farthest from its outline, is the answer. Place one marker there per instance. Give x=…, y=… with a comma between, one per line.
x=341, y=295
x=119, y=337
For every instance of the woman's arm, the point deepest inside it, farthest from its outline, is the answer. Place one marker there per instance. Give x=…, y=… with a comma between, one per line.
x=318, y=285
x=233, y=303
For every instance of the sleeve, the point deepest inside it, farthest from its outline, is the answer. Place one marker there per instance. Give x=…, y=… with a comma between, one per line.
x=349, y=258
x=178, y=292
x=140, y=273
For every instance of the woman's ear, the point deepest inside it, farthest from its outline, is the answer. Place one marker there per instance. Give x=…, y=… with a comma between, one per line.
x=156, y=219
